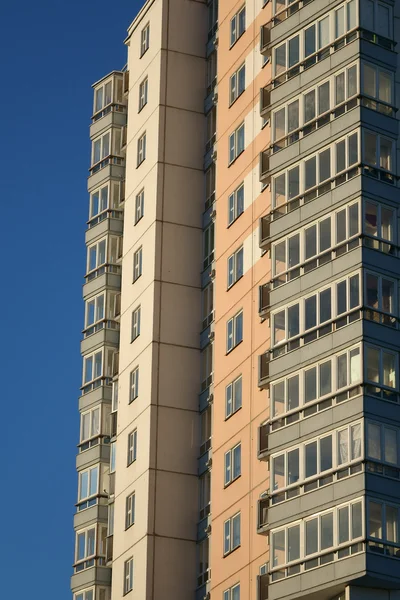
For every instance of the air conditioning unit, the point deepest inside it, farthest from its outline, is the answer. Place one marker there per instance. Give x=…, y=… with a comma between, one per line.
x=207, y=596
x=215, y=98
x=264, y=494
x=209, y=463
x=216, y=40
x=214, y=155
x=211, y=336
x=207, y=529
x=212, y=274
x=213, y=214
x=210, y=399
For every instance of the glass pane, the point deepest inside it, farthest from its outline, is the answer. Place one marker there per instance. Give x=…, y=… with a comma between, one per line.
x=107, y=93
x=94, y=207
x=85, y=428
x=98, y=99
x=294, y=182
x=341, y=233
x=278, y=398
x=310, y=306
x=339, y=89
x=374, y=441
x=323, y=98
x=343, y=524
x=309, y=41
x=310, y=173
x=325, y=378
x=371, y=219
x=370, y=155
x=356, y=520
x=279, y=472
x=324, y=165
x=279, y=124
x=340, y=156
x=293, y=251
x=385, y=87
x=311, y=459
x=375, y=520
x=387, y=223
x=369, y=82
x=351, y=15
x=83, y=487
x=310, y=242
x=293, y=474
x=390, y=446
x=373, y=364
x=325, y=313
x=387, y=296
x=325, y=234
x=280, y=59
x=293, y=321
x=353, y=149
x=326, y=531
x=236, y=531
x=311, y=536
x=372, y=290
x=293, y=543
x=323, y=32
x=309, y=106
x=382, y=21
x=93, y=481
x=278, y=548
x=355, y=365
x=352, y=81
x=280, y=258
x=343, y=446
x=342, y=371
x=310, y=384
x=353, y=219
x=293, y=392
x=339, y=22
x=385, y=157
x=392, y=523
x=88, y=369
x=355, y=435
x=293, y=116
x=237, y=461
x=389, y=369
x=294, y=56
x=279, y=190
x=354, y=291
x=325, y=448
x=341, y=297
x=279, y=327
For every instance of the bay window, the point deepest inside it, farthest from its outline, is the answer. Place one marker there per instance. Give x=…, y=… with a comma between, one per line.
x=96, y=365
x=95, y=309
x=377, y=16
x=381, y=367
x=380, y=293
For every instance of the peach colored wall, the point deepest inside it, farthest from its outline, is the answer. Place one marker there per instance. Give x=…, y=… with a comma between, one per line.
x=243, y=564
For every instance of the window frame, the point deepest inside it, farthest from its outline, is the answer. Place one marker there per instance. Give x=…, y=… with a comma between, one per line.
x=132, y=447
x=141, y=149
x=231, y=471
x=130, y=510
x=235, y=204
x=135, y=324
x=235, y=32
x=139, y=206
x=232, y=341
x=229, y=543
x=235, y=90
x=133, y=384
x=128, y=576
x=144, y=39
x=234, y=151
x=231, y=397
x=137, y=263
x=143, y=93
x=235, y=267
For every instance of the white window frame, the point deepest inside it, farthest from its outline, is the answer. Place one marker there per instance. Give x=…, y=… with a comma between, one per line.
x=235, y=266
x=102, y=88
x=91, y=472
x=139, y=206
x=380, y=383
x=236, y=30
x=236, y=204
x=143, y=93
x=141, y=149
x=137, y=263
x=379, y=139
x=230, y=465
x=234, y=150
x=128, y=575
x=208, y=245
x=233, y=593
x=132, y=447
x=379, y=208
x=383, y=427
x=232, y=339
x=135, y=327
x=229, y=543
x=233, y=400
x=130, y=510
x=95, y=300
x=144, y=39
x=88, y=594
x=133, y=384
x=90, y=414
x=234, y=90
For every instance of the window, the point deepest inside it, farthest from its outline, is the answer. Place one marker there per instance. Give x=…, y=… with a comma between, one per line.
x=205, y=494
x=233, y=593
x=318, y=533
x=382, y=443
x=101, y=148
x=92, y=366
x=135, y=324
x=378, y=86
x=232, y=534
x=88, y=483
x=234, y=331
x=85, y=545
x=312, y=43
x=238, y=25
x=380, y=294
x=208, y=246
x=203, y=565
x=210, y=186
x=378, y=151
x=110, y=519
x=381, y=367
x=108, y=196
x=128, y=574
x=96, y=255
x=208, y=305
x=211, y=72
x=94, y=310
x=134, y=385
x=206, y=367
x=130, y=510
x=316, y=382
x=237, y=84
x=212, y=17
x=236, y=204
x=236, y=143
x=85, y=595
x=376, y=16
x=139, y=206
x=232, y=464
x=113, y=451
x=235, y=267
x=143, y=89
x=313, y=311
x=383, y=524
x=211, y=128
x=310, y=110
x=90, y=424
x=144, y=39
x=314, y=175
x=205, y=430
x=132, y=446
x=102, y=96
x=318, y=238
x=141, y=149
x=379, y=223
x=233, y=397
x=137, y=264
x=328, y=452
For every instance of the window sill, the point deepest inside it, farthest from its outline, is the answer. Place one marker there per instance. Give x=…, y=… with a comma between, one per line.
x=229, y=417
x=144, y=52
x=133, y=400
x=135, y=280
x=232, y=349
x=235, y=159
x=231, y=551
x=129, y=526
x=142, y=107
x=233, y=284
x=141, y=162
x=226, y=485
x=237, y=39
x=128, y=464
x=135, y=338
x=237, y=98
x=234, y=220
x=137, y=221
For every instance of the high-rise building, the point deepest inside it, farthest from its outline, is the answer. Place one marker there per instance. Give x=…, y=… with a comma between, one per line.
x=240, y=406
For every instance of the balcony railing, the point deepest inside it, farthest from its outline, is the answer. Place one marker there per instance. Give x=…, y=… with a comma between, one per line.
x=108, y=160
x=94, y=561
x=104, y=324
x=113, y=107
x=109, y=213
x=107, y=268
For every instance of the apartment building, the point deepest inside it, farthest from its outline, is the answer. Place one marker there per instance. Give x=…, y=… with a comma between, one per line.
x=240, y=405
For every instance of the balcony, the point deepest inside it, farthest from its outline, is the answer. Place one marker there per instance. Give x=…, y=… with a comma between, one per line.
x=113, y=424
x=109, y=548
x=265, y=232
x=263, y=369
x=263, y=504
x=265, y=102
x=263, y=432
x=264, y=300
x=103, y=332
x=263, y=581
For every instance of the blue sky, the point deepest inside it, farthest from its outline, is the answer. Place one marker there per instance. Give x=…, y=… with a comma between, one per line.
x=51, y=52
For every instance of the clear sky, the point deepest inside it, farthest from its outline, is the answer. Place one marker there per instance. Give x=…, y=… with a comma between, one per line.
x=51, y=51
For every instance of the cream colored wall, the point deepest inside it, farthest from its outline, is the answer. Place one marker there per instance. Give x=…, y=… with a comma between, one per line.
x=163, y=539
x=242, y=495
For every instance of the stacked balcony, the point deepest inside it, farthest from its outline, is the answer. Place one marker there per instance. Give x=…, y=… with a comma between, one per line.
x=332, y=439
x=99, y=346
